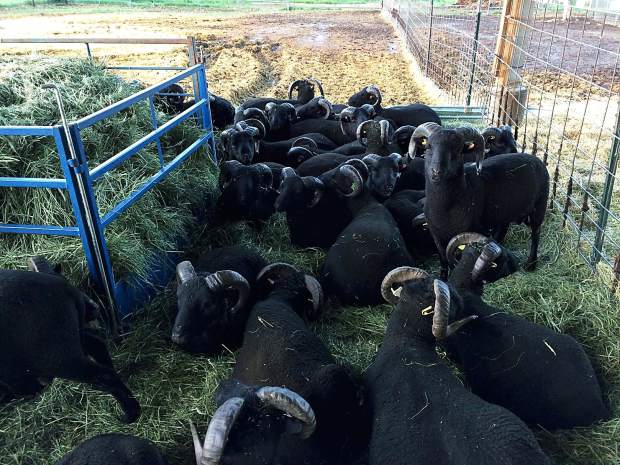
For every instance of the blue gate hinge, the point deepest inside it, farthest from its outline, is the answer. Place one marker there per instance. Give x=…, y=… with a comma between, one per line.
x=75, y=164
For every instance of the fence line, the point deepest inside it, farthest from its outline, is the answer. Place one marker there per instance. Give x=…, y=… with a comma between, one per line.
x=550, y=72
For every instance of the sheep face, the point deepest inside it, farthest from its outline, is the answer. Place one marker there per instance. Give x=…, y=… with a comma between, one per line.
x=240, y=143
x=298, y=193
x=305, y=90
x=171, y=103
x=209, y=305
x=351, y=118
x=369, y=95
x=280, y=116
x=499, y=140
x=246, y=190
x=383, y=173
x=316, y=108
x=444, y=155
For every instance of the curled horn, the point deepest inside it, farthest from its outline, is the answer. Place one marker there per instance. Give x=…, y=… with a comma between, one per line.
x=399, y=275
x=291, y=404
x=462, y=239
x=318, y=84
x=361, y=132
x=225, y=279
x=316, y=291
x=270, y=106
x=294, y=86
x=489, y=254
x=374, y=90
x=385, y=132
x=39, y=264
x=185, y=272
x=300, y=154
x=218, y=431
x=305, y=142
x=328, y=107
x=441, y=315
x=265, y=175
x=288, y=172
x=347, y=114
x=357, y=182
x=424, y=132
x=277, y=268
x=371, y=158
x=491, y=132
x=261, y=130
x=473, y=136
x=225, y=135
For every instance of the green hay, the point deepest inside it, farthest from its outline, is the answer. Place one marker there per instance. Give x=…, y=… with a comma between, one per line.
x=152, y=226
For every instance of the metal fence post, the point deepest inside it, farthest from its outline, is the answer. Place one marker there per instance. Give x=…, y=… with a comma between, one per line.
x=430, y=37
x=207, y=124
x=608, y=191
x=474, y=54
x=100, y=248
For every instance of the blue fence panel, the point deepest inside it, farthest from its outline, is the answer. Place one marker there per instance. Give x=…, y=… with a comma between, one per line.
x=126, y=295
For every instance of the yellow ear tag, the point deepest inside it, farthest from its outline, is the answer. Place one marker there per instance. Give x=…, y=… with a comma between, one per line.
x=428, y=310
x=423, y=141
x=462, y=247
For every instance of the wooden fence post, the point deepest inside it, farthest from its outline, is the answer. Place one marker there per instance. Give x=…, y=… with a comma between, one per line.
x=509, y=60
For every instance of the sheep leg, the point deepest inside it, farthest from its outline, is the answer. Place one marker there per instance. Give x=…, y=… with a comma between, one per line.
x=530, y=265
x=499, y=234
x=95, y=347
x=84, y=370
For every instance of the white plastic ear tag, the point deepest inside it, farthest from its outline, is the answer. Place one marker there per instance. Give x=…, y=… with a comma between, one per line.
x=397, y=292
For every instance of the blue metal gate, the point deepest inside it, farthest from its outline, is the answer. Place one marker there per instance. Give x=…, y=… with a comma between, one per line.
x=79, y=180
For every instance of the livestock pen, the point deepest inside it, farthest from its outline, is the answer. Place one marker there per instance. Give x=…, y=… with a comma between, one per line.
x=174, y=387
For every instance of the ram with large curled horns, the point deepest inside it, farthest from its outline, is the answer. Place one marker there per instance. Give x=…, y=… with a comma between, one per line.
x=542, y=376
x=288, y=402
x=422, y=413
x=486, y=197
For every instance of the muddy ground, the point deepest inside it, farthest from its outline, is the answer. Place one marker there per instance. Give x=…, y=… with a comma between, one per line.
x=246, y=54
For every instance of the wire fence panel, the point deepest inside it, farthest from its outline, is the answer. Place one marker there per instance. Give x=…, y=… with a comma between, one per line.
x=551, y=72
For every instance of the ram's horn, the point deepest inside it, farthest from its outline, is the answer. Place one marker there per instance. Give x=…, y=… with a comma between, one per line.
x=305, y=142
x=357, y=181
x=292, y=404
x=218, y=431
x=385, y=132
x=457, y=241
x=441, y=314
x=270, y=106
x=399, y=275
x=318, y=84
x=422, y=131
x=185, y=272
x=39, y=264
x=277, y=268
x=328, y=107
x=294, y=85
x=374, y=90
x=473, y=136
x=230, y=279
x=361, y=132
x=316, y=291
x=489, y=254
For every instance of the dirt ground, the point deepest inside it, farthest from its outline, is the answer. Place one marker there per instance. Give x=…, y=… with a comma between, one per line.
x=245, y=54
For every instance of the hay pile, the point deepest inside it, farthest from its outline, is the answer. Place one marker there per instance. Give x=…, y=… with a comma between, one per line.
x=149, y=227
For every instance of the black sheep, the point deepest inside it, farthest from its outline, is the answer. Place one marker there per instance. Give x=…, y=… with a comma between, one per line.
x=341, y=132
x=318, y=107
x=305, y=92
x=288, y=401
x=422, y=413
x=499, y=140
x=244, y=143
x=368, y=248
x=542, y=376
x=316, y=210
x=213, y=303
x=247, y=192
x=407, y=208
x=484, y=198
x=401, y=115
x=44, y=337
x=114, y=449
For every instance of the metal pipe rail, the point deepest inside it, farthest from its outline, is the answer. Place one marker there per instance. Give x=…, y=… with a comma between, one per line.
x=84, y=202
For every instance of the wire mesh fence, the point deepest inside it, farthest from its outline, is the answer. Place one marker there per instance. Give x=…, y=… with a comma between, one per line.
x=550, y=71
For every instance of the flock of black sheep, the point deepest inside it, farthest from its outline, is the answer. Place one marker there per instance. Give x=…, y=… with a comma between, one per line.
x=378, y=188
